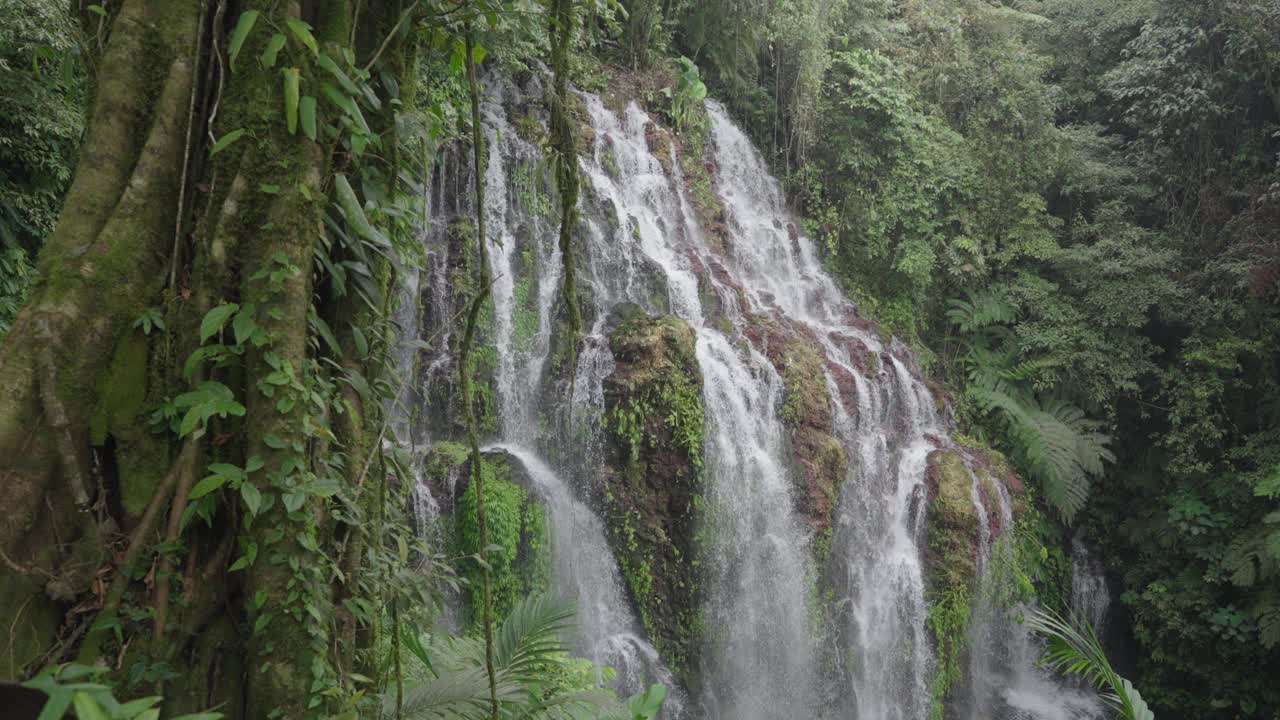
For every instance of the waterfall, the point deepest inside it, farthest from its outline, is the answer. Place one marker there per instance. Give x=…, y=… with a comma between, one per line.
x=773, y=649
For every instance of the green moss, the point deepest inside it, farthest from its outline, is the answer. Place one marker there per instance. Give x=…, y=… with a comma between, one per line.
x=948, y=620
x=529, y=130
x=141, y=458
x=655, y=424
x=525, y=320
x=522, y=565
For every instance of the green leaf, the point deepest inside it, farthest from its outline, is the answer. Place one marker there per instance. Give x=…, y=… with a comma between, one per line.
x=346, y=104
x=88, y=708
x=97, y=10
x=355, y=216
x=307, y=111
x=294, y=500
x=327, y=64
x=225, y=141
x=238, y=35
x=214, y=320
x=55, y=708
x=273, y=48
x=302, y=31
x=245, y=325
x=252, y=497
x=362, y=344
x=292, y=78
x=207, y=485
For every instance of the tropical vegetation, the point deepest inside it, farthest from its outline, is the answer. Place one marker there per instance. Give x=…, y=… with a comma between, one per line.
x=1070, y=209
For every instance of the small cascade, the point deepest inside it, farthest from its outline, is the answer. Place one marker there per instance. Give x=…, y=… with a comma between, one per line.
x=1090, y=597
x=586, y=572
x=1006, y=680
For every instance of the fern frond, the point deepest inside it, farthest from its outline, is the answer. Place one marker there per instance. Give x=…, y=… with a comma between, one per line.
x=983, y=309
x=1056, y=443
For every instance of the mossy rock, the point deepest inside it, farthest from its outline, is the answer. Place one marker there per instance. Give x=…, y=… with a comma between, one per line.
x=950, y=573
x=820, y=461
x=952, y=525
x=653, y=475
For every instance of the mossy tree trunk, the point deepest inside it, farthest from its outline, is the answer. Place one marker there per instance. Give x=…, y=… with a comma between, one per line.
x=154, y=226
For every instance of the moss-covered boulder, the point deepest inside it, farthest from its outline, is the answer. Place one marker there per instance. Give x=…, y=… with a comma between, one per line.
x=516, y=520
x=952, y=526
x=653, y=476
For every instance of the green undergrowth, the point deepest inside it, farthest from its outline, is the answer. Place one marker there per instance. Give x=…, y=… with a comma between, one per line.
x=518, y=554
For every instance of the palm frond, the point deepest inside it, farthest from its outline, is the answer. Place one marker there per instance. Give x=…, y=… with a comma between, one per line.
x=457, y=695
x=531, y=636
x=593, y=704
x=1074, y=650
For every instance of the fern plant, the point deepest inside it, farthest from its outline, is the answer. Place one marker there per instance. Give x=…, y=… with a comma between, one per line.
x=530, y=658
x=1050, y=437
x=1074, y=651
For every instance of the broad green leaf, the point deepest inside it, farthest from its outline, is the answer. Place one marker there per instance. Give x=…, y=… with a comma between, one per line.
x=344, y=102
x=274, y=45
x=302, y=31
x=55, y=708
x=87, y=708
x=225, y=141
x=214, y=320
x=238, y=35
x=134, y=707
x=362, y=344
x=355, y=214
x=244, y=325
x=294, y=500
x=327, y=64
x=292, y=79
x=252, y=497
x=307, y=112
x=207, y=485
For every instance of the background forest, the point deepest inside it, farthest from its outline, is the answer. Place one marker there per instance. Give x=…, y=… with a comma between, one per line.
x=1070, y=208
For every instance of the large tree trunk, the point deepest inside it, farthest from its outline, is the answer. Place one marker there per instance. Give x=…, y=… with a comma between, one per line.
x=86, y=484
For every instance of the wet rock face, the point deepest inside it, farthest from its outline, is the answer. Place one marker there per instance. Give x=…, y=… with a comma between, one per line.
x=819, y=458
x=652, y=474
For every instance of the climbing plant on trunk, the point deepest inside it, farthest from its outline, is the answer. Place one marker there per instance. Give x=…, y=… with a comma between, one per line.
x=191, y=423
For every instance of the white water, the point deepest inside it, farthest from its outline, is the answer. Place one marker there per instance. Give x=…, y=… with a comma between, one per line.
x=765, y=657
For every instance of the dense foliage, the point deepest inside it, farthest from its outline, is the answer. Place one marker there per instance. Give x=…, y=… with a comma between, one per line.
x=41, y=117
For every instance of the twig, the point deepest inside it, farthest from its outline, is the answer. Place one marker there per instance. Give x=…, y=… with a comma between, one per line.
x=186, y=155
x=184, y=469
x=394, y=30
